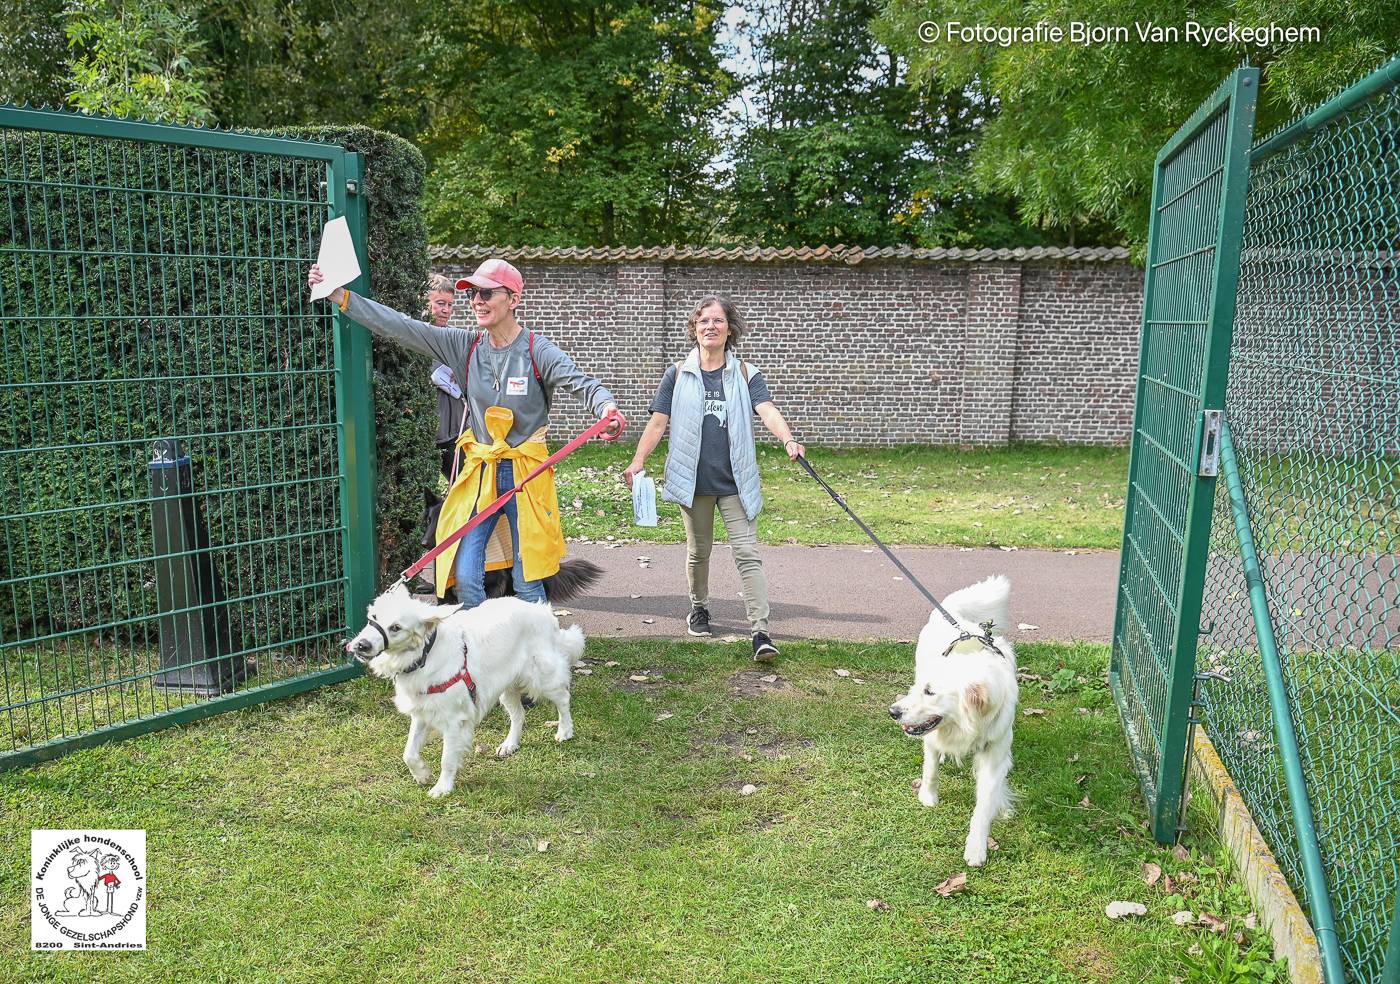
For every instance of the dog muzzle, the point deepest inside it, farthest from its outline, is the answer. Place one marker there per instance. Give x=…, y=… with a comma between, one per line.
x=362, y=647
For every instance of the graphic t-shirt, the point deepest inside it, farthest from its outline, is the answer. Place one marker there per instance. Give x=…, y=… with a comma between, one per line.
x=714, y=474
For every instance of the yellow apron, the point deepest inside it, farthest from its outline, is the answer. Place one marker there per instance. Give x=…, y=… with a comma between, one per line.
x=537, y=504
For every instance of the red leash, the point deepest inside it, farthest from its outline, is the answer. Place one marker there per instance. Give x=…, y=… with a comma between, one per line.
x=505, y=497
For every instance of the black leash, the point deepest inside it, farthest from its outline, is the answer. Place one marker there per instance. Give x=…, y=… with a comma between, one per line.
x=985, y=638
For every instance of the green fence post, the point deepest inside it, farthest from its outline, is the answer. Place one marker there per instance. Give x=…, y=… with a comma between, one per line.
x=355, y=403
x=1314, y=875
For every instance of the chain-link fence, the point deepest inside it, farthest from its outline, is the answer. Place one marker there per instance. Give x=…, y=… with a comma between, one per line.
x=1313, y=410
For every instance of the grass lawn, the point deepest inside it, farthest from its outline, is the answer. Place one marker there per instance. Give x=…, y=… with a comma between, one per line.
x=287, y=842
x=1024, y=495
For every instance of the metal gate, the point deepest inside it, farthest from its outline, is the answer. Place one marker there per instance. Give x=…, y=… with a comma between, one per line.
x=1198, y=196
x=186, y=440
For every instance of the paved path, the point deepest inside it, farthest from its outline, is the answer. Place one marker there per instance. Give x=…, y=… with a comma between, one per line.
x=846, y=592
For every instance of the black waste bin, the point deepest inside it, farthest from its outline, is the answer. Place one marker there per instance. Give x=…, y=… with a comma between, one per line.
x=194, y=630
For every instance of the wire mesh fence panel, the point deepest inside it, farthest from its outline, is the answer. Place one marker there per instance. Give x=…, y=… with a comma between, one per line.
x=1314, y=412
x=1197, y=193
x=171, y=516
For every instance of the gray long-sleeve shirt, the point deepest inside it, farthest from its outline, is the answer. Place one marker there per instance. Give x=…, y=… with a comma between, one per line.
x=497, y=377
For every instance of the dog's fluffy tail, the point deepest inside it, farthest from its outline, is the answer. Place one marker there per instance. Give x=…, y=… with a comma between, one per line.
x=574, y=578
x=570, y=643
x=987, y=600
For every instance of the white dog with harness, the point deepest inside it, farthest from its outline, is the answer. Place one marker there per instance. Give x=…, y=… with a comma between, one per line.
x=450, y=668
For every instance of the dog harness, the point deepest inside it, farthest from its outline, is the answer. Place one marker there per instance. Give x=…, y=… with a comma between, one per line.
x=463, y=675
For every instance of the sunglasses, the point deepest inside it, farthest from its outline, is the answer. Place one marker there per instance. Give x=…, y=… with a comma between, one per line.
x=485, y=293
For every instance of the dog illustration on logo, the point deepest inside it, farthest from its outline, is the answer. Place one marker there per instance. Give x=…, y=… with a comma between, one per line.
x=86, y=872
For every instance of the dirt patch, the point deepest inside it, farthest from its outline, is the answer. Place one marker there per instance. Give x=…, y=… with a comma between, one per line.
x=756, y=683
x=750, y=742
x=631, y=681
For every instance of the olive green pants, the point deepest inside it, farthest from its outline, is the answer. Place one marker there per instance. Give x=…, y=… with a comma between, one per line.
x=743, y=542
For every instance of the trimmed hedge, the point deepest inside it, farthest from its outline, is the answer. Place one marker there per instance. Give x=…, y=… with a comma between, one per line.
x=181, y=308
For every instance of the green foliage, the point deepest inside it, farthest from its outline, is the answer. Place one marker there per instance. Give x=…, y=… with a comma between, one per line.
x=160, y=314
x=575, y=123
x=405, y=409
x=32, y=53
x=1075, y=128
x=845, y=148
x=137, y=58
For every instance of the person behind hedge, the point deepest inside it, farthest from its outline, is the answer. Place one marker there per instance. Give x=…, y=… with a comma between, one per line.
x=444, y=380
x=510, y=377
x=709, y=400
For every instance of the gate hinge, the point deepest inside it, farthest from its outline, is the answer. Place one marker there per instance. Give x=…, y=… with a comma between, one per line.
x=1209, y=464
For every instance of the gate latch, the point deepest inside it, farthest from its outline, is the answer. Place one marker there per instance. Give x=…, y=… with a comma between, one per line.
x=1209, y=464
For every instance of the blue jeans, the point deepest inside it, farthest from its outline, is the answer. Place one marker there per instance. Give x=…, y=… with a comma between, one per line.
x=470, y=567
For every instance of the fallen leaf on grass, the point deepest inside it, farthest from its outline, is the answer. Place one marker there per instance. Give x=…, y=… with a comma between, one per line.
x=1213, y=923
x=1073, y=758
x=842, y=673
x=1181, y=854
x=1251, y=921
x=611, y=662
x=771, y=678
x=1183, y=918
x=879, y=904
x=1034, y=712
x=1168, y=885
x=992, y=844
x=583, y=671
x=1151, y=873
x=664, y=717
x=542, y=846
x=748, y=790
x=948, y=886
x=1117, y=910
x=1084, y=801
x=561, y=612
x=639, y=678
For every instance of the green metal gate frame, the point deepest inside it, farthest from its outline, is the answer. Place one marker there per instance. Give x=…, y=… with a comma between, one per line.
x=354, y=408
x=1198, y=196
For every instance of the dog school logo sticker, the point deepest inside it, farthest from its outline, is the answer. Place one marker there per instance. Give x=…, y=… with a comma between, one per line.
x=88, y=890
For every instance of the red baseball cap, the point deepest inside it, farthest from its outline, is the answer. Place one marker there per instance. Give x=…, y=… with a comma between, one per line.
x=494, y=273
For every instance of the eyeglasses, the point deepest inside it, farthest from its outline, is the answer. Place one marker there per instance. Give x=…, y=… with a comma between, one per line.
x=485, y=293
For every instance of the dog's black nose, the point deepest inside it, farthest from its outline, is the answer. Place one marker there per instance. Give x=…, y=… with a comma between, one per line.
x=896, y=712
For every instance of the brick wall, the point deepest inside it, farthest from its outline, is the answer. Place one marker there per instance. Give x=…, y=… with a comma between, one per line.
x=884, y=351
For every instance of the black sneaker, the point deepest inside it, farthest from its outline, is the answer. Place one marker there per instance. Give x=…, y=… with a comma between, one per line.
x=763, y=648
x=699, y=622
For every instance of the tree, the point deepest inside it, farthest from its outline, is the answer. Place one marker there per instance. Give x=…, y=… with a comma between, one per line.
x=1073, y=129
x=575, y=123
x=842, y=145
x=278, y=63
x=32, y=53
x=136, y=58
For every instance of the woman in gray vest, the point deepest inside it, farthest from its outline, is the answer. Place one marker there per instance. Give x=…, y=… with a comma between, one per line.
x=709, y=400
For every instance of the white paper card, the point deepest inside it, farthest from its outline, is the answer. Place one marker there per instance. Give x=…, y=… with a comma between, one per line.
x=643, y=500
x=337, y=258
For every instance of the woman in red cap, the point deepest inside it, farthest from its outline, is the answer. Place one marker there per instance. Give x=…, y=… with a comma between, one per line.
x=508, y=375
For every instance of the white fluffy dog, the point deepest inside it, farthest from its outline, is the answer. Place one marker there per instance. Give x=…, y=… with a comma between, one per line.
x=450, y=667
x=963, y=702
